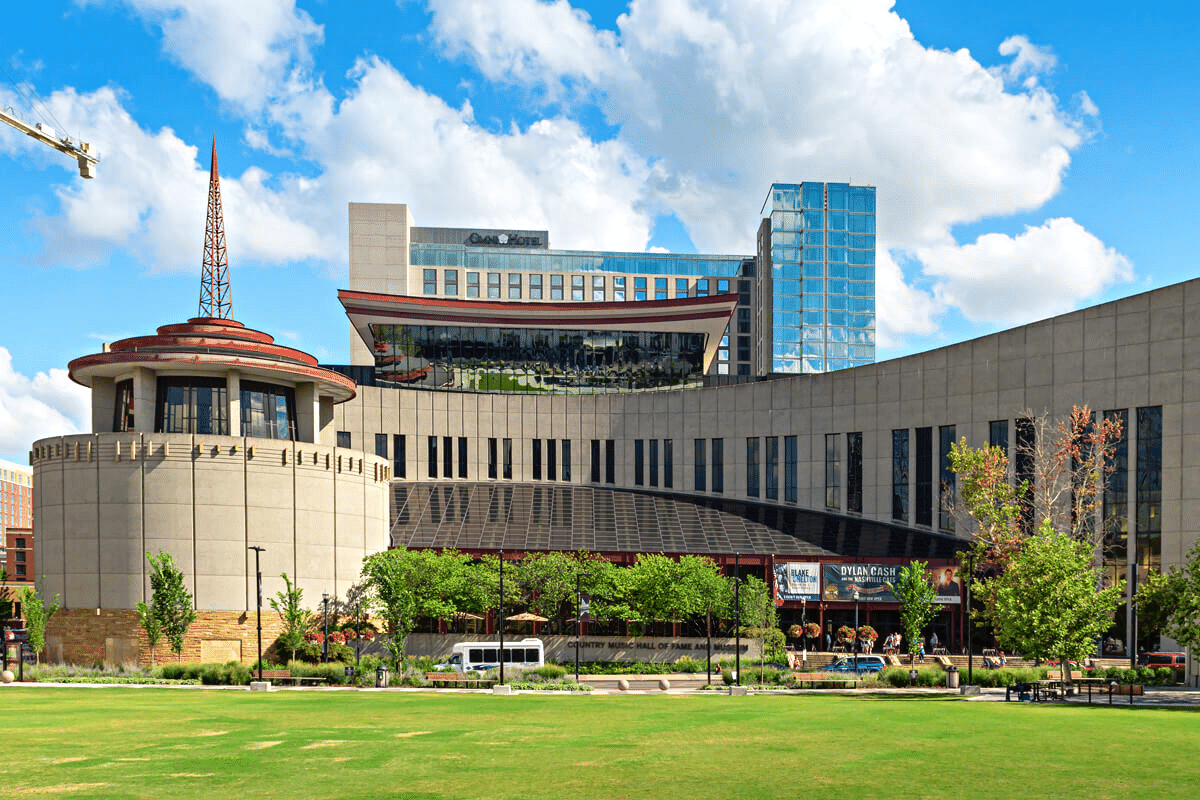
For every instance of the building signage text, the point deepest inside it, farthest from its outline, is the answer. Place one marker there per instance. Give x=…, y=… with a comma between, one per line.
x=504, y=240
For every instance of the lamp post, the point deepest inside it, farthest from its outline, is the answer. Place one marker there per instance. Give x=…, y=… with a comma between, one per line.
x=855, y=632
x=357, y=634
x=737, y=619
x=581, y=610
x=258, y=605
x=325, y=642
x=501, y=618
x=804, y=631
x=970, y=626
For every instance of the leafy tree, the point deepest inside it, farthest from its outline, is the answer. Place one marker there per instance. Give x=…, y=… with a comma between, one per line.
x=37, y=615
x=760, y=618
x=1046, y=601
x=297, y=621
x=916, y=595
x=549, y=580
x=1174, y=598
x=151, y=626
x=171, y=603
x=662, y=588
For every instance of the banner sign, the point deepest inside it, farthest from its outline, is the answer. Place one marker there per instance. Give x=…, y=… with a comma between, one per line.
x=947, y=584
x=869, y=580
x=797, y=580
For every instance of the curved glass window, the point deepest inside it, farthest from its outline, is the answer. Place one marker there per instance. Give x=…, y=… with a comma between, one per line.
x=268, y=411
x=191, y=405
x=123, y=408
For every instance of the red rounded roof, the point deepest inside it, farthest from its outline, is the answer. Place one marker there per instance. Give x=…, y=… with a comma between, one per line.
x=206, y=345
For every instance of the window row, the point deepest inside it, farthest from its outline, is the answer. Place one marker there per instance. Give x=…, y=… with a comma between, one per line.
x=594, y=288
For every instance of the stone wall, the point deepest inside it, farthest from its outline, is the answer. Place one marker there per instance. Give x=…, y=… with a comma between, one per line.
x=594, y=648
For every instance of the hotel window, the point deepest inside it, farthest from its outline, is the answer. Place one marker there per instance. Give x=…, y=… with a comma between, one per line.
x=947, y=484
x=551, y=459
x=598, y=288
x=494, y=285
x=399, y=456
x=791, y=469
x=718, y=465
x=1149, y=490
x=702, y=287
x=430, y=281
x=514, y=286
x=772, y=477
x=123, y=409
x=619, y=288
x=610, y=461
x=566, y=460
x=854, y=472
x=743, y=348
x=681, y=287
x=595, y=475
x=923, y=480
x=639, y=462
x=576, y=287
x=433, y=459
x=381, y=445
x=537, y=459
x=472, y=284
x=752, y=466
x=654, y=462
x=451, y=278
x=447, y=457
x=507, y=450
x=722, y=286
x=900, y=475
x=192, y=405
x=493, y=458
x=668, y=464
x=462, y=456
x=535, y=287
x=743, y=320
x=639, y=288
x=343, y=439
x=1116, y=493
x=556, y=287
x=660, y=288
x=833, y=476
x=998, y=435
x=701, y=481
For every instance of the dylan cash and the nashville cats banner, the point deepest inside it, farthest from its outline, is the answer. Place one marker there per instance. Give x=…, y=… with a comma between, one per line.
x=796, y=581
x=869, y=580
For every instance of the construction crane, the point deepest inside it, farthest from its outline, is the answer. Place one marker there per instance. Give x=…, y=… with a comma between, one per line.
x=47, y=135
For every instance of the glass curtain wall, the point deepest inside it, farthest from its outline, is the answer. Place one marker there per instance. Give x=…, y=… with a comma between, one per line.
x=192, y=405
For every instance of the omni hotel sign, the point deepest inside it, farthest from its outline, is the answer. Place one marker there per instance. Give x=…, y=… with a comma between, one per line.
x=503, y=240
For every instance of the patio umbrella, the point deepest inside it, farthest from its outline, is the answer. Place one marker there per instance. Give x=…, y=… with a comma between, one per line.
x=526, y=617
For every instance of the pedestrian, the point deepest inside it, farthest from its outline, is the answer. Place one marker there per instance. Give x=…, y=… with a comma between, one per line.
x=933, y=641
x=828, y=642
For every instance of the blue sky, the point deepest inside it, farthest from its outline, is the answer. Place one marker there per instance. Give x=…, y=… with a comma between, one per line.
x=1029, y=158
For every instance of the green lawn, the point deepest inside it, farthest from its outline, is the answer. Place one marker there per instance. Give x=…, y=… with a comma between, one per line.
x=328, y=744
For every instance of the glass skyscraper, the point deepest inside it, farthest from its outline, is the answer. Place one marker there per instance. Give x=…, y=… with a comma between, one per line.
x=817, y=248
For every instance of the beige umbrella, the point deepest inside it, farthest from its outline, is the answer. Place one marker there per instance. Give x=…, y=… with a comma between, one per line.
x=465, y=615
x=526, y=617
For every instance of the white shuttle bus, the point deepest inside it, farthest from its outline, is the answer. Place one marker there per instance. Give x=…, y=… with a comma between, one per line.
x=481, y=656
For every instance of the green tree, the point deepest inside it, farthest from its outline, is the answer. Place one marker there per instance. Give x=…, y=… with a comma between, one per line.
x=151, y=626
x=1173, y=601
x=658, y=587
x=406, y=585
x=1046, y=604
x=170, y=603
x=549, y=580
x=915, y=594
x=289, y=605
x=37, y=614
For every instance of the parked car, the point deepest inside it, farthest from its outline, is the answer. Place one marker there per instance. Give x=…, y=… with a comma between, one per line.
x=864, y=664
x=1173, y=660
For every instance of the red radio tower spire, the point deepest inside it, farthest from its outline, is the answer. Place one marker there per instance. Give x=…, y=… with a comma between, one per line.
x=215, y=299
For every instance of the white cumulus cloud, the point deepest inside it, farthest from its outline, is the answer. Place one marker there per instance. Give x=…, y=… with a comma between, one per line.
x=48, y=404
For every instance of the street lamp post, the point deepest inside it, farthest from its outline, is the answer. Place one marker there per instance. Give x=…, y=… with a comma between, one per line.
x=737, y=619
x=856, y=633
x=970, y=626
x=325, y=643
x=357, y=634
x=581, y=610
x=258, y=605
x=804, y=631
x=501, y=618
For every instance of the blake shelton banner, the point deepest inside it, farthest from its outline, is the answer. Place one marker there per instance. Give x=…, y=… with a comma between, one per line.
x=796, y=581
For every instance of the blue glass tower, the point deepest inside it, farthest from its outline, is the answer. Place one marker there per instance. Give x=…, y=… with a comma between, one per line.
x=817, y=247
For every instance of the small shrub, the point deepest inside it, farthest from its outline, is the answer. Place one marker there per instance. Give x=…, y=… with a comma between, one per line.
x=548, y=672
x=1164, y=676
x=727, y=676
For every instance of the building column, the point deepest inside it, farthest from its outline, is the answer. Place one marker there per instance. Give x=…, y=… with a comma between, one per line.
x=233, y=393
x=145, y=396
x=308, y=412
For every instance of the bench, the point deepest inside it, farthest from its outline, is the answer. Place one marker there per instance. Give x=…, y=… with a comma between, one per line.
x=286, y=675
x=456, y=679
x=825, y=683
x=1056, y=675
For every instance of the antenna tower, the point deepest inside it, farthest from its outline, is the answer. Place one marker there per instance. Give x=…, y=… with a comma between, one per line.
x=215, y=299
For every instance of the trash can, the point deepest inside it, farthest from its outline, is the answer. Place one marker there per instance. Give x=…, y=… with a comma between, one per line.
x=382, y=678
x=952, y=677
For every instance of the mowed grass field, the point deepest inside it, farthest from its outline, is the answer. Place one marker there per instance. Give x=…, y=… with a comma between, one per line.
x=172, y=743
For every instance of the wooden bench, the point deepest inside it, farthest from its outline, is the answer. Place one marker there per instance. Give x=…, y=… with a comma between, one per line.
x=286, y=675
x=825, y=683
x=456, y=679
x=1056, y=675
